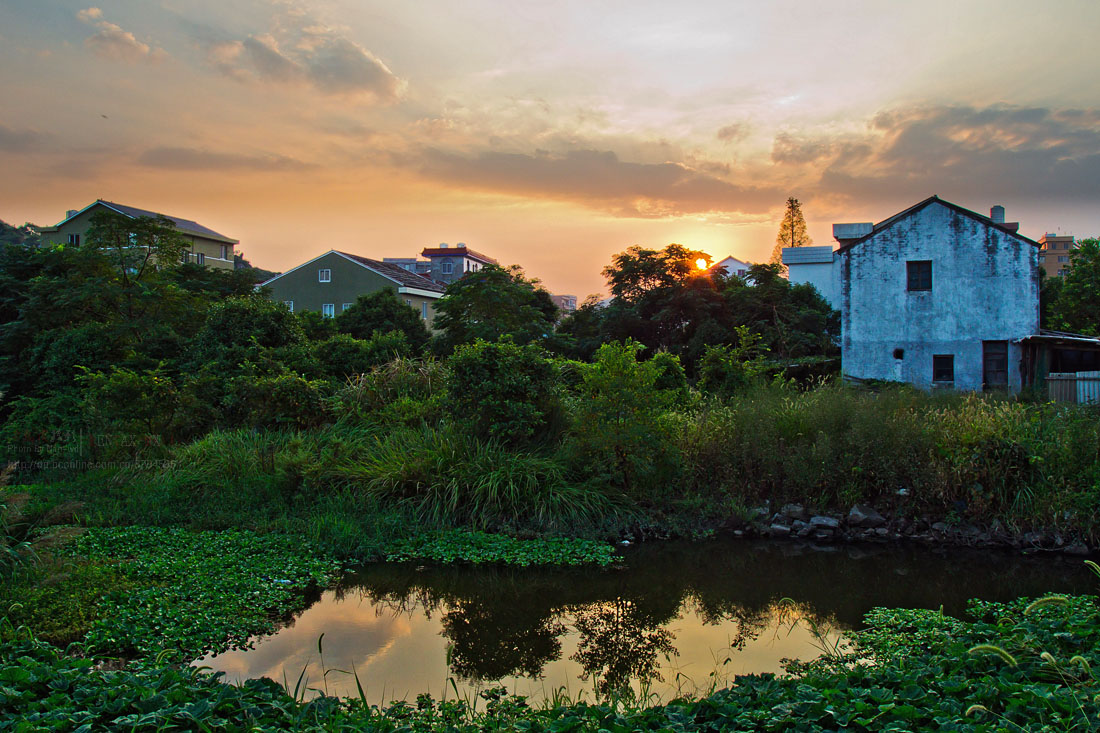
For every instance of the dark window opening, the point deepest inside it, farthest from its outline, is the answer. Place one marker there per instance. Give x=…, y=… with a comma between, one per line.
x=899, y=353
x=943, y=368
x=919, y=274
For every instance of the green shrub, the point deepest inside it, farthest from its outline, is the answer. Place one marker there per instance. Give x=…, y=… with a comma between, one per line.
x=343, y=356
x=502, y=391
x=618, y=433
x=401, y=392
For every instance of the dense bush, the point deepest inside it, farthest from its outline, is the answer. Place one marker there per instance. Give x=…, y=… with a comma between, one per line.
x=618, y=436
x=502, y=391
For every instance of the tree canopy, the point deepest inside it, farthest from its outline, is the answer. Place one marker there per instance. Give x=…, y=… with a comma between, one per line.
x=383, y=311
x=1076, y=304
x=494, y=302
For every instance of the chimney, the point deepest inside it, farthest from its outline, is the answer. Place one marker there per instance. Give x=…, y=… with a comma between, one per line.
x=461, y=245
x=443, y=245
x=70, y=213
x=997, y=214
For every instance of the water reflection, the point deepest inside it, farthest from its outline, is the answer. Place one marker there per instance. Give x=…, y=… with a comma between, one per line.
x=676, y=618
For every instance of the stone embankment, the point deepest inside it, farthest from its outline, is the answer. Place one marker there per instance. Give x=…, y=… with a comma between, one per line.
x=865, y=524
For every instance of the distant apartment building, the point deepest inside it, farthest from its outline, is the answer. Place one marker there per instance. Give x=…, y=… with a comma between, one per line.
x=565, y=303
x=205, y=246
x=1054, y=252
x=449, y=263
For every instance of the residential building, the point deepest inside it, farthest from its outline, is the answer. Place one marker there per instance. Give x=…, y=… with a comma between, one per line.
x=205, y=246
x=733, y=267
x=450, y=263
x=565, y=303
x=1054, y=252
x=936, y=296
x=813, y=266
x=331, y=283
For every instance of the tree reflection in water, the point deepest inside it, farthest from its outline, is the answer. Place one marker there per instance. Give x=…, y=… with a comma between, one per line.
x=620, y=642
x=494, y=641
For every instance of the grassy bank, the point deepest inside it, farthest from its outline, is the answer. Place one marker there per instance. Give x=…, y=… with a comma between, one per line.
x=679, y=467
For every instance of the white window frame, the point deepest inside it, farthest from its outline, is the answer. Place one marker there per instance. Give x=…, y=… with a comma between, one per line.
x=424, y=310
x=447, y=268
x=289, y=304
x=346, y=306
x=324, y=275
x=328, y=310
x=200, y=258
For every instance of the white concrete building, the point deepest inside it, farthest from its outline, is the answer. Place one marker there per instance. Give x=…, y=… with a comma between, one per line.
x=813, y=265
x=936, y=295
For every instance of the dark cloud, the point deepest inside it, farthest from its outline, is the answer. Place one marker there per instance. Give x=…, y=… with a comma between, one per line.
x=317, y=56
x=992, y=152
x=734, y=132
x=193, y=159
x=115, y=44
x=601, y=180
x=19, y=141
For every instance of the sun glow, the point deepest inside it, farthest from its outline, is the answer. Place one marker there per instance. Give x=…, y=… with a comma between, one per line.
x=701, y=263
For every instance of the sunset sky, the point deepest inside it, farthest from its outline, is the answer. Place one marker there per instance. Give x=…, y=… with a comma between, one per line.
x=547, y=134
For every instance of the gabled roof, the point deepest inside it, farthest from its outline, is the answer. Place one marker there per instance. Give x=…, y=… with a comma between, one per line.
x=887, y=223
x=394, y=272
x=458, y=252
x=397, y=275
x=184, y=225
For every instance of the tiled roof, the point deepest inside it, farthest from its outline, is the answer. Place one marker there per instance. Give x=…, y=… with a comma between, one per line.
x=458, y=252
x=395, y=273
x=192, y=227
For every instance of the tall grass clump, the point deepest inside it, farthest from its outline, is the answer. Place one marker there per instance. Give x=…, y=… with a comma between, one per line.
x=448, y=477
x=828, y=446
x=978, y=456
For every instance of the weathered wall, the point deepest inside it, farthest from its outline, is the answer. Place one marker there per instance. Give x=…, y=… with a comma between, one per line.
x=984, y=288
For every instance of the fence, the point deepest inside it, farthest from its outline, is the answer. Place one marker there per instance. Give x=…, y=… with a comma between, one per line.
x=1081, y=388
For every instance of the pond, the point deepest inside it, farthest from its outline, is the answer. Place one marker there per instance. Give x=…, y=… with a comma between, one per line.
x=673, y=618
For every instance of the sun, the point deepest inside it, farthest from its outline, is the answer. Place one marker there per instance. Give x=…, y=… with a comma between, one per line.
x=701, y=263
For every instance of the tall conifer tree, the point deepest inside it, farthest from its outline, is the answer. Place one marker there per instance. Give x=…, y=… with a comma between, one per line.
x=792, y=232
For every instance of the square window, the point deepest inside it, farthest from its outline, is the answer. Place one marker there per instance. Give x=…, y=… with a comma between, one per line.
x=290, y=305
x=324, y=276
x=74, y=239
x=943, y=368
x=346, y=306
x=328, y=310
x=448, y=268
x=919, y=274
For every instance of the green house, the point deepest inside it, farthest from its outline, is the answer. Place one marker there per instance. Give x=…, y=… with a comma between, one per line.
x=329, y=284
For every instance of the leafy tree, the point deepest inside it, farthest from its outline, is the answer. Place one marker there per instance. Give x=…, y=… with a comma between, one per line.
x=491, y=303
x=383, y=311
x=792, y=231
x=637, y=272
x=1077, y=307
